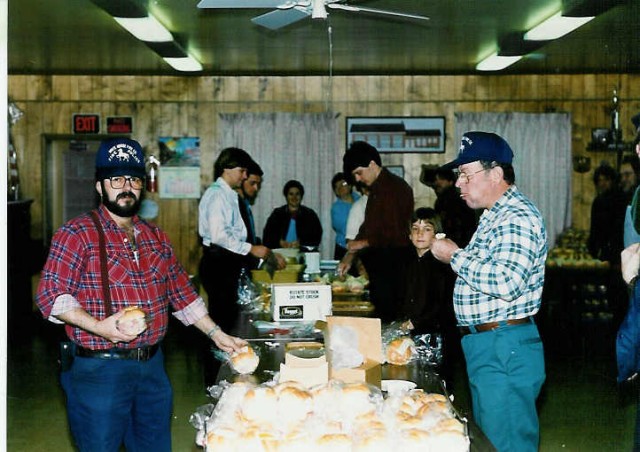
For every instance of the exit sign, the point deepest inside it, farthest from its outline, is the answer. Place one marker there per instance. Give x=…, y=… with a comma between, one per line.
x=86, y=123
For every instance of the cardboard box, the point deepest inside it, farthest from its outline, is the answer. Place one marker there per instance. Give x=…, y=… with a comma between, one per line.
x=302, y=301
x=369, y=344
x=307, y=376
x=309, y=370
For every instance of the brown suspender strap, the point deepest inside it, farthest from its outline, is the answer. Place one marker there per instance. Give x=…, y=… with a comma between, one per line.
x=104, y=271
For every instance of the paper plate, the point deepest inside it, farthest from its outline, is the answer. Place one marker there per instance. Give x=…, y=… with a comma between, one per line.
x=396, y=386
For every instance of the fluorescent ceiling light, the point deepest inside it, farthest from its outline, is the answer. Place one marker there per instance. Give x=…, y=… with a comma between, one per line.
x=495, y=62
x=186, y=64
x=555, y=27
x=145, y=28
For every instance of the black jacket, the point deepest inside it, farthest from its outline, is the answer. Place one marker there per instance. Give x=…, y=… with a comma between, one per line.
x=423, y=298
x=308, y=227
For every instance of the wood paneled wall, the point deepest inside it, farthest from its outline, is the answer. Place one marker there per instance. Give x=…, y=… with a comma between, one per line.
x=189, y=106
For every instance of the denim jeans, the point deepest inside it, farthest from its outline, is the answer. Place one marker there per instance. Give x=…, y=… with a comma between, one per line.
x=115, y=402
x=506, y=372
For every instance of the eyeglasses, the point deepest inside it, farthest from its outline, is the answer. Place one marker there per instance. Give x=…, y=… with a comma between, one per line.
x=464, y=178
x=120, y=181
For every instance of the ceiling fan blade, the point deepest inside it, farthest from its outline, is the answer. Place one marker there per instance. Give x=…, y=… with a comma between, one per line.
x=241, y=3
x=375, y=11
x=292, y=4
x=280, y=18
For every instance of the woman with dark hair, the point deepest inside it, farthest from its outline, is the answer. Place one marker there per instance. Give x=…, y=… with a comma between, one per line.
x=292, y=225
x=345, y=197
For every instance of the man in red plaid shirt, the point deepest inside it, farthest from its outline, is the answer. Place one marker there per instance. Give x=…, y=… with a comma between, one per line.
x=117, y=389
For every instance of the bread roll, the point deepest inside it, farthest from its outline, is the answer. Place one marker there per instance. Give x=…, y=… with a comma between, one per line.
x=406, y=421
x=257, y=438
x=260, y=405
x=451, y=424
x=289, y=384
x=415, y=440
x=373, y=440
x=399, y=351
x=449, y=440
x=294, y=405
x=356, y=400
x=133, y=321
x=337, y=442
x=228, y=405
x=224, y=439
x=369, y=422
x=326, y=399
x=411, y=404
x=244, y=361
x=434, y=397
x=295, y=441
x=432, y=413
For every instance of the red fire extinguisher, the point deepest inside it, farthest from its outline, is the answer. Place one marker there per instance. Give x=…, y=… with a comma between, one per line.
x=152, y=174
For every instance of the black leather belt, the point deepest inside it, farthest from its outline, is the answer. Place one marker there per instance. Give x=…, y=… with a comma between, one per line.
x=216, y=250
x=490, y=326
x=137, y=354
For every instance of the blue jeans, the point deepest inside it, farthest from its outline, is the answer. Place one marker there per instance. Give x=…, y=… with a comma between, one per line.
x=115, y=402
x=506, y=372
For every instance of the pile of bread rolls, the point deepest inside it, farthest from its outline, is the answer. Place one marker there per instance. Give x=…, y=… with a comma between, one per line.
x=332, y=417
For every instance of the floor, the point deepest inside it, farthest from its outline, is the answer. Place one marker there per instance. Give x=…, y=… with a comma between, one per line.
x=580, y=408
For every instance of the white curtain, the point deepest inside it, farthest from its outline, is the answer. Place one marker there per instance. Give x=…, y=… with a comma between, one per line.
x=288, y=146
x=541, y=145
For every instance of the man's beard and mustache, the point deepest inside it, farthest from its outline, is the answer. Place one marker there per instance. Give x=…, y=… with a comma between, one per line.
x=125, y=211
x=250, y=199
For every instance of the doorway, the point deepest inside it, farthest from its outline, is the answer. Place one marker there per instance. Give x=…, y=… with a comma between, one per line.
x=69, y=179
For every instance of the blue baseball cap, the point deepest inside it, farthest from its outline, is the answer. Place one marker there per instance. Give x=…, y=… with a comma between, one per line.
x=119, y=157
x=485, y=146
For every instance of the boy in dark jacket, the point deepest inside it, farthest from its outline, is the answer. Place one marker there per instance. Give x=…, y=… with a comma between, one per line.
x=426, y=304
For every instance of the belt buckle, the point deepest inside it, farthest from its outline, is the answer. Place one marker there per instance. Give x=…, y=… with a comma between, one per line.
x=140, y=354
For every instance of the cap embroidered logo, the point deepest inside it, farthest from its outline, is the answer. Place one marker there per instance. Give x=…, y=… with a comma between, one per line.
x=123, y=152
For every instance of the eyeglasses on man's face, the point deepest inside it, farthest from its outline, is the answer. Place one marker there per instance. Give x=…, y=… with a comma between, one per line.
x=464, y=178
x=119, y=182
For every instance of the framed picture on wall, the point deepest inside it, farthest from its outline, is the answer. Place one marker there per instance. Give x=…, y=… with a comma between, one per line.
x=398, y=134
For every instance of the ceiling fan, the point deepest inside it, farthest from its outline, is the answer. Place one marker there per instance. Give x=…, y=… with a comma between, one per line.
x=288, y=12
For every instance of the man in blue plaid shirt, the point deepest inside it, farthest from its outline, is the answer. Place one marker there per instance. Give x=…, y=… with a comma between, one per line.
x=497, y=293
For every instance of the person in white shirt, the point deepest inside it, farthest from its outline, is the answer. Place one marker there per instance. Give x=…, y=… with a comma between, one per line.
x=356, y=214
x=224, y=240
x=354, y=220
